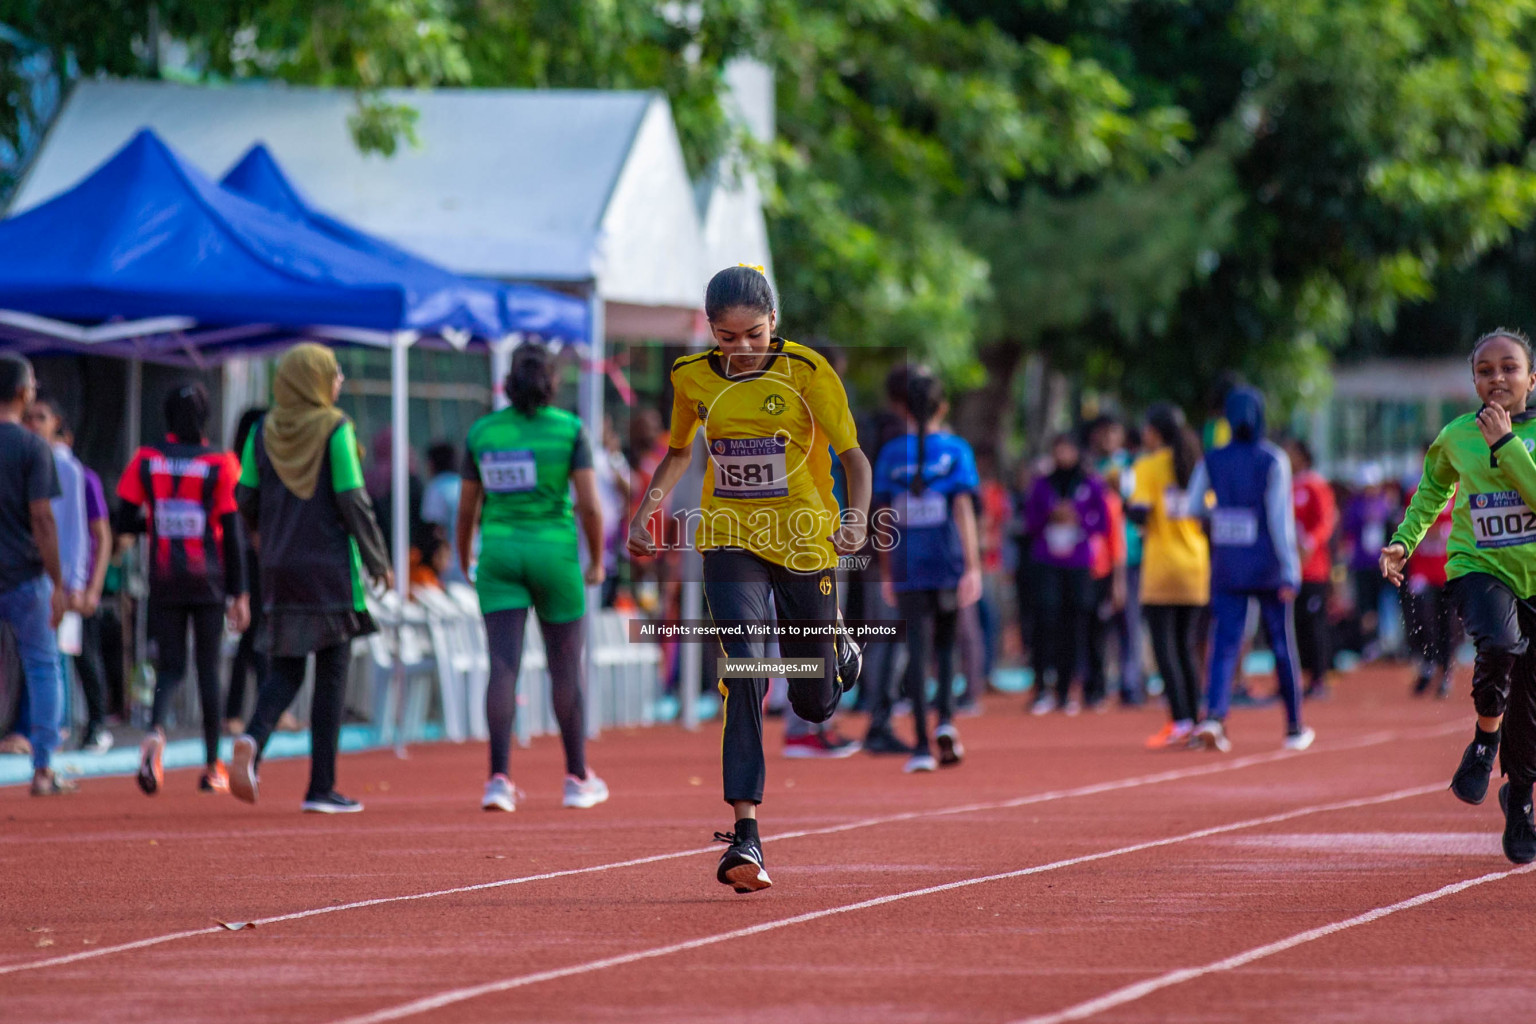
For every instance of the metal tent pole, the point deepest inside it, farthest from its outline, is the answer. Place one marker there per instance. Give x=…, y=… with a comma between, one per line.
x=400, y=414
x=590, y=406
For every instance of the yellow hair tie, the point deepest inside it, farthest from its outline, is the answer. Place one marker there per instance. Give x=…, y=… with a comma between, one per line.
x=753, y=266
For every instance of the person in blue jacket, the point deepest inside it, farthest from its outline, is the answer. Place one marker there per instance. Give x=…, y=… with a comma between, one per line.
x=927, y=479
x=1253, y=557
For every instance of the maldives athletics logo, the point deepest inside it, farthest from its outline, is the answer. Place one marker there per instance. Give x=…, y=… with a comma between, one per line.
x=774, y=404
x=719, y=447
x=1480, y=500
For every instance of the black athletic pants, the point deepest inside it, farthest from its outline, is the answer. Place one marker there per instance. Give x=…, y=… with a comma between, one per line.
x=930, y=616
x=504, y=631
x=93, y=674
x=1504, y=677
x=1314, y=633
x=740, y=586
x=248, y=660
x=277, y=692
x=1101, y=620
x=1175, y=632
x=1063, y=602
x=168, y=631
x=1430, y=622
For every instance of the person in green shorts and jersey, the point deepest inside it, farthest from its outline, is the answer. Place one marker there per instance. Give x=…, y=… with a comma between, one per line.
x=519, y=466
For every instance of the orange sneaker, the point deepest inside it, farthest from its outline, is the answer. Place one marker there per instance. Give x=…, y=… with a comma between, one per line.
x=1171, y=735
x=214, y=780
x=151, y=762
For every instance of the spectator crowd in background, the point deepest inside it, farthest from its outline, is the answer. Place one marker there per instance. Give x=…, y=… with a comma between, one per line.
x=1094, y=579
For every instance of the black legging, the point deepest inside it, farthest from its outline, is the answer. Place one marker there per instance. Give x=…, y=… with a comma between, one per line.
x=248, y=659
x=1314, y=632
x=168, y=631
x=1063, y=602
x=277, y=692
x=562, y=654
x=1175, y=631
x=930, y=630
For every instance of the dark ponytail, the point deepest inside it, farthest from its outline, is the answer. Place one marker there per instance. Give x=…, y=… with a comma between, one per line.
x=923, y=395
x=739, y=287
x=530, y=384
x=1168, y=420
x=186, y=412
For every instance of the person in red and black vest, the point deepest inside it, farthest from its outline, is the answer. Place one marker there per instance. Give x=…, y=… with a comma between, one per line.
x=181, y=493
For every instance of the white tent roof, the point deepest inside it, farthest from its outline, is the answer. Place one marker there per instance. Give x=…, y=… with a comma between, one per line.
x=516, y=184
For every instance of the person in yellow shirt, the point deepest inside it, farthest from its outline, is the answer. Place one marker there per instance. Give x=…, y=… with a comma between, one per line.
x=769, y=528
x=1176, y=565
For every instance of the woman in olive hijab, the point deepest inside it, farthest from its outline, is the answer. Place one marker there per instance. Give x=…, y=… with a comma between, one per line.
x=302, y=496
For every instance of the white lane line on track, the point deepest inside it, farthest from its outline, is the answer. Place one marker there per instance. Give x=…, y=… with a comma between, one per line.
x=1174, y=775
x=459, y=995
x=1141, y=989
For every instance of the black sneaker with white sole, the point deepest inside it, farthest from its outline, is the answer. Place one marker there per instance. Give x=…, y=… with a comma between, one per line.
x=1519, y=829
x=1470, y=783
x=330, y=803
x=741, y=866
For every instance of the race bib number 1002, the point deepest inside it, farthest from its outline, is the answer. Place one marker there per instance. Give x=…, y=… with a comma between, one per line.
x=509, y=472
x=749, y=467
x=1501, y=520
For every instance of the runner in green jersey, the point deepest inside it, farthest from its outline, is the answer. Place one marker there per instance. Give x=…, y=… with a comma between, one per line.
x=519, y=467
x=1485, y=459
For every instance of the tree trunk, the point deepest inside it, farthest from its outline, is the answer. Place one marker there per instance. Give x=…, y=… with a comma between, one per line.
x=988, y=416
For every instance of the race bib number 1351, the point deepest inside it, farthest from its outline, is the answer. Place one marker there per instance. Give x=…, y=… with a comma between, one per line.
x=1501, y=520
x=509, y=472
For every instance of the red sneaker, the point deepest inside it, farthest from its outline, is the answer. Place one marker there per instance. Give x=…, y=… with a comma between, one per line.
x=821, y=743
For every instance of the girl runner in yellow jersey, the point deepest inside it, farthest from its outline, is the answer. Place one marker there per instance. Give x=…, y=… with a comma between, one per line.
x=769, y=528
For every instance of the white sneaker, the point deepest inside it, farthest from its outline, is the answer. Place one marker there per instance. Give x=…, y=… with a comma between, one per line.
x=1210, y=735
x=1300, y=740
x=499, y=794
x=584, y=793
x=1071, y=707
x=101, y=742
x=920, y=763
x=1043, y=705
x=951, y=750
x=242, y=771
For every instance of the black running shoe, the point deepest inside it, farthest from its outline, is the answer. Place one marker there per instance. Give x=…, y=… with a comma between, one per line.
x=1470, y=783
x=330, y=803
x=1519, y=830
x=883, y=741
x=741, y=866
x=1423, y=681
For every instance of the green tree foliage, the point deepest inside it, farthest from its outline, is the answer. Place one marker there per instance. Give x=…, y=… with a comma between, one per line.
x=1347, y=152
x=1147, y=191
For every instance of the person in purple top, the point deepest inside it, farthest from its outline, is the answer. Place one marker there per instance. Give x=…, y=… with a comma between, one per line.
x=1065, y=510
x=88, y=663
x=1368, y=521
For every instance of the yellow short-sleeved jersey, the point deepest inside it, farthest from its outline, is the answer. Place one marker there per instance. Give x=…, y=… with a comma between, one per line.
x=769, y=484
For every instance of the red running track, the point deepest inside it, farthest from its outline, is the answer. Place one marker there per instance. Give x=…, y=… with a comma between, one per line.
x=1062, y=873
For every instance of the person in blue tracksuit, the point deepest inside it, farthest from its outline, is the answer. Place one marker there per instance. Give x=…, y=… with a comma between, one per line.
x=1254, y=556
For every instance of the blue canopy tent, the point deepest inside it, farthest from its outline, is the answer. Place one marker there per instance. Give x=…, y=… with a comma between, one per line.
x=149, y=258
x=258, y=177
